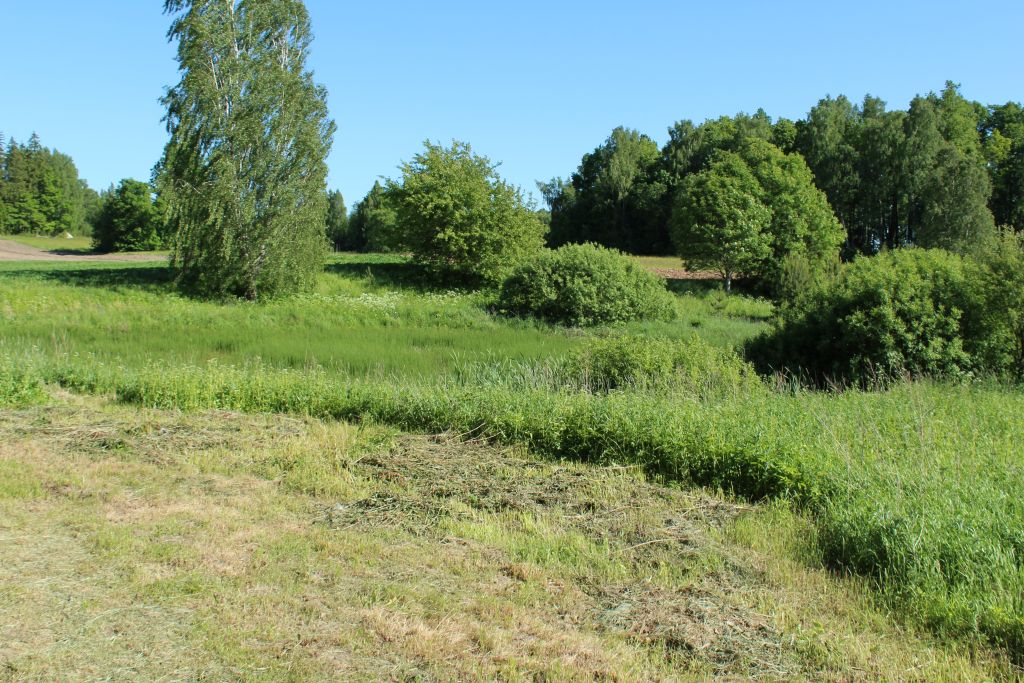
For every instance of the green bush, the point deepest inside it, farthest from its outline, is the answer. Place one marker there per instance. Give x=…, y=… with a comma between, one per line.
x=690, y=367
x=585, y=284
x=19, y=387
x=1000, y=322
x=908, y=312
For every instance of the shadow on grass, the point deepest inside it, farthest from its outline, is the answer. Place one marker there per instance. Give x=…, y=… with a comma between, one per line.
x=702, y=286
x=394, y=273
x=84, y=251
x=106, y=277
x=695, y=287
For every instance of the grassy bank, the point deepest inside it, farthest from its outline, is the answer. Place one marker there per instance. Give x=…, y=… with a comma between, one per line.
x=368, y=317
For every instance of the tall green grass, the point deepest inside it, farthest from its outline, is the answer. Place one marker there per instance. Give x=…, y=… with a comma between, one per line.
x=365, y=319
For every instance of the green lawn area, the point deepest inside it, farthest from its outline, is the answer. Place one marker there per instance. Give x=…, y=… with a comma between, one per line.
x=76, y=245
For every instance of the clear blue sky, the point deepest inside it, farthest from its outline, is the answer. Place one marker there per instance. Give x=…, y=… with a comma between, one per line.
x=532, y=84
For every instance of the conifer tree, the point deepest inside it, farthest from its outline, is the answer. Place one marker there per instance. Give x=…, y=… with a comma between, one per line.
x=375, y=220
x=339, y=229
x=3, y=183
x=244, y=173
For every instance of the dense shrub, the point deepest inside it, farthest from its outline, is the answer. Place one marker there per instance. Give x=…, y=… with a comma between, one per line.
x=908, y=312
x=691, y=367
x=585, y=284
x=1000, y=322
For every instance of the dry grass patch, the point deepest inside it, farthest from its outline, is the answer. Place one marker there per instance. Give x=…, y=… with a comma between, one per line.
x=146, y=545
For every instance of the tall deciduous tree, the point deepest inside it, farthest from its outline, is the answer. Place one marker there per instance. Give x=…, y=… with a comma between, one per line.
x=827, y=140
x=901, y=177
x=719, y=222
x=244, y=173
x=1004, y=153
x=460, y=219
x=947, y=185
x=374, y=218
x=615, y=198
x=802, y=224
x=339, y=228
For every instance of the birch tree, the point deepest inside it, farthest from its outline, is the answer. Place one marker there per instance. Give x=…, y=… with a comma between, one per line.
x=244, y=174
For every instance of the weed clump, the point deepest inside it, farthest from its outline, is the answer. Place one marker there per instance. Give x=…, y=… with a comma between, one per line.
x=691, y=367
x=19, y=387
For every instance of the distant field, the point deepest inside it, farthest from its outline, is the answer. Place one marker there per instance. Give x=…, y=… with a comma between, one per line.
x=671, y=267
x=660, y=261
x=79, y=245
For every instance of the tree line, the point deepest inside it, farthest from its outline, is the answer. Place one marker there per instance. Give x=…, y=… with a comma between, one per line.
x=240, y=197
x=939, y=173
x=41, y=194
x=40, y=191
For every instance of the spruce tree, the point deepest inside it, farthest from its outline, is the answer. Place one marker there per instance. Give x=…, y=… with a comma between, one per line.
x=129, y=220
x=3, y=184
x=376, y=221
x=339, y=230
x=244, y=173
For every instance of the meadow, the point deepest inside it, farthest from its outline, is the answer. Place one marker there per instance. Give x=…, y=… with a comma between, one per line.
x=912, y=489
x=77, y=244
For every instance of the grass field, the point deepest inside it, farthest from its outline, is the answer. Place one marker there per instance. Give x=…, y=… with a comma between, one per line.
x=660, y=261
x=366, y=319
x=75, y=245
x=914, y=490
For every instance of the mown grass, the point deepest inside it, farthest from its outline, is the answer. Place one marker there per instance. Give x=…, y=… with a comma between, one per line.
x=913, y=488
x=75, y=245
x=673, y=262
x=78, y=245
x=145, y=545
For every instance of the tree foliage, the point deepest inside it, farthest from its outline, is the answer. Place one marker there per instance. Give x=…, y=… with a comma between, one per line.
x=459, y=218
x=129, y=219
x=1003, y=148
x=615, y=198
x=900, y=178
x=339, y=229
x=941, y=173
x=585, y=284
x=375, y=221
x=244, y=174
x=41, y=193
x=750, y=210
x=719, y=222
